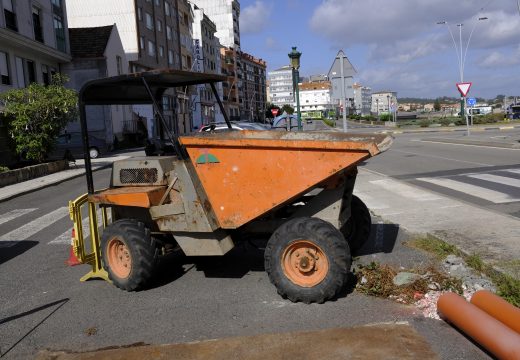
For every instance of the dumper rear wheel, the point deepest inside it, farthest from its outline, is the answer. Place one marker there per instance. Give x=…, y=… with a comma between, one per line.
x=308, y=260
x=357, y=229
x=129, y=254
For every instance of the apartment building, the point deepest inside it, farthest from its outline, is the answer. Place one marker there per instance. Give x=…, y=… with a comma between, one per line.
x=281, y=86
x=362, y=99
x=206, y=57
x=225, y=14
x=254, y=87
x=150, y=32
x=98, y=52
x=384, y=102
x=314, y=98
x=33, y=46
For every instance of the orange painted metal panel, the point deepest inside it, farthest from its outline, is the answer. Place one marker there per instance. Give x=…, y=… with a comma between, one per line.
x=487, y=331
x=498, y=308
x=139, y=196
x=246, y=177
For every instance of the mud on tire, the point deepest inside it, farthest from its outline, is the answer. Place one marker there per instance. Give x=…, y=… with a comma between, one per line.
x=294, y=267
x=129, y=253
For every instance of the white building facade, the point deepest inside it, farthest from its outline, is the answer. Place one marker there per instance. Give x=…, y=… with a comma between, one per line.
x=384, y=102
x=314, y=97
x=281, y=86
x=225, y=14
x=362, y=99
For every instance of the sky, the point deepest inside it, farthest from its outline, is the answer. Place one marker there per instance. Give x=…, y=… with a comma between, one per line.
x=394, y=45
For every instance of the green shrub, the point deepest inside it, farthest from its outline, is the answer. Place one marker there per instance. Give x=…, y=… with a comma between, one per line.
x=445, y=121
x=385, y=117
x=3, y=169
x=424, y=123
x=329, y=122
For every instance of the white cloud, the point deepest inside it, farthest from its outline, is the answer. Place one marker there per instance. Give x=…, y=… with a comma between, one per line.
x=255, y=18
x=501, y=59
x=401, y=31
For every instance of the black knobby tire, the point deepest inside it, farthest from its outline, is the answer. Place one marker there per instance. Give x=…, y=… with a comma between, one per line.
x=142, y=249
x=357, y=228
x=321, y=234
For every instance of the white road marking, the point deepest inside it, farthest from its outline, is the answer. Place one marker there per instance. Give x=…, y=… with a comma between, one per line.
x=13, y=214
x=64, y=239
x=515, y=171
x=440, y=157
x=371, y=203
x=405, y=190
x=474, y=145
x=31, y=228
x=497, y=179
x=496, y=197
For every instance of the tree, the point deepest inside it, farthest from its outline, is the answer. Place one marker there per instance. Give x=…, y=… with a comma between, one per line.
x=288, y=109
x=37, y=114
x=437, y=105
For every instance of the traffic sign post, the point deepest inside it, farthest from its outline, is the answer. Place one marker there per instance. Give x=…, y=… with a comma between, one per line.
x=463, y=88
x=340, y=68
x=471, y=102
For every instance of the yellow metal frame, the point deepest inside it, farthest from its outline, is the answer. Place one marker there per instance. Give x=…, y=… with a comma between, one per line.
x=93, y=258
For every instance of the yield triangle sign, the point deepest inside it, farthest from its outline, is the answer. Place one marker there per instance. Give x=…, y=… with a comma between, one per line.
x=463, y=88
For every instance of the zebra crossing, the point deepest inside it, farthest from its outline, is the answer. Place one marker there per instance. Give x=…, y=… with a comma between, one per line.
x=32, y=226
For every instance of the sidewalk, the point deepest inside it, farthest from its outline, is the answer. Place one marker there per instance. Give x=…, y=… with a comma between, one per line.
x=11, y=191
x=491, y=235
x=462, y=128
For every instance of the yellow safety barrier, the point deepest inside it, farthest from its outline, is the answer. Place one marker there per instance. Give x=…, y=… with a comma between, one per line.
x=92, y=258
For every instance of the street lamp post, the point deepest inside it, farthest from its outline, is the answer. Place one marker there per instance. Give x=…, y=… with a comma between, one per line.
x=388, y=99
x=294, y=55
x=461, y=57
x=377, y=109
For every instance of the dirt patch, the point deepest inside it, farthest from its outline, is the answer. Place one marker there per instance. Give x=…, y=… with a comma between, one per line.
x=380, y=341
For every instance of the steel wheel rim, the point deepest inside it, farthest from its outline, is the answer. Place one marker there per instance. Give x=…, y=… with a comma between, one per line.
x=119, y=258
x=304, y=263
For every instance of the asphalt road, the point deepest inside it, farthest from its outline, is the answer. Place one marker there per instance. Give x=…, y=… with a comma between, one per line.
x=483, y=175
x=44, y=306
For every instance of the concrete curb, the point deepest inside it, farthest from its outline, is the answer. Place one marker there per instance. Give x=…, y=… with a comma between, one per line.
x=56, y=182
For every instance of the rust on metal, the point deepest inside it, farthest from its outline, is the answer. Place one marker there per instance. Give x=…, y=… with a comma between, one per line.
x=304, y=263
x=139, y=196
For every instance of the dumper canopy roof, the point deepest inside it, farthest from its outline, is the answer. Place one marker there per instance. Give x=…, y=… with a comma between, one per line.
x=129, y=89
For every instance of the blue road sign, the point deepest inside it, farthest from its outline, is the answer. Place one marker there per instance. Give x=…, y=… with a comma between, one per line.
x=472, y=101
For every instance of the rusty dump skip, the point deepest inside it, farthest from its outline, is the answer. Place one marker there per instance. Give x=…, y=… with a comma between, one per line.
x=139, y=196
x=247, y=173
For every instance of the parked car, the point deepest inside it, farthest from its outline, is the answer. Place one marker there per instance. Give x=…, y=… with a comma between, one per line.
x=235, y=125
x=70, y=145
x=280, y=122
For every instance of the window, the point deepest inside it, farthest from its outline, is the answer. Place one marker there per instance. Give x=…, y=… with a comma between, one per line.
x=45, y=75
x=159, y=25
x=161, y=51
x=151, y=48
x=60, y=33
x=141, y=42
x=140, y=14
x=37, y=24
x=149, y=21
x=157, y=2
x=4, y=69
x=168, y=32
x=56, y=3
x=170, y=57
x=10, y=15
x=25, y=71
x=119, y=64
x=166, y=102
x=167, y=8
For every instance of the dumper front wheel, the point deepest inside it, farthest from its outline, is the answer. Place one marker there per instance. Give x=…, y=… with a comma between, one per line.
x=308, y=260
x=357, y=228
x=129, y=254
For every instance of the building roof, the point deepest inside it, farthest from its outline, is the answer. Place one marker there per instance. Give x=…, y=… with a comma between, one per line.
x=89, y=42
x=306, y=86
